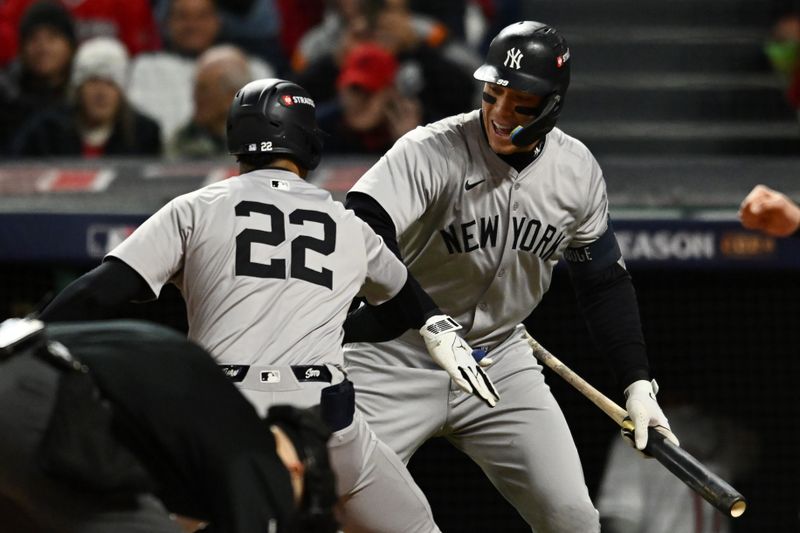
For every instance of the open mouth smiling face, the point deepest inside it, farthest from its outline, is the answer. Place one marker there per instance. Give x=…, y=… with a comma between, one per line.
x=503, y=110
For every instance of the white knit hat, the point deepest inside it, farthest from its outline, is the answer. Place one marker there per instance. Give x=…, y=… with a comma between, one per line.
x=103, y=58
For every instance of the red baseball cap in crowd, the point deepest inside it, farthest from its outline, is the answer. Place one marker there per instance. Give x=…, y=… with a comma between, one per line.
x=368, y=66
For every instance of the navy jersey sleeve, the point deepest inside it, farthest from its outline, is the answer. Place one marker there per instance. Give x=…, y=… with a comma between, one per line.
x=98, y=294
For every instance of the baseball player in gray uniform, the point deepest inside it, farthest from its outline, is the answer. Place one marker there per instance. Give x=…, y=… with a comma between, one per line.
x=481, y=206
x=268, y=265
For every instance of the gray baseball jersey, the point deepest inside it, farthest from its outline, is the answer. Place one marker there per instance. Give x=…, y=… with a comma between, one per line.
x=268, y=265
x=483, y=239
x=480, y=237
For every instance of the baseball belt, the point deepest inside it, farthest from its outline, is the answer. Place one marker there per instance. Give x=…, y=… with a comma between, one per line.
x=303, y=373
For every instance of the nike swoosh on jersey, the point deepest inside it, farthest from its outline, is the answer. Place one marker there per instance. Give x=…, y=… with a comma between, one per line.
x=468, y=185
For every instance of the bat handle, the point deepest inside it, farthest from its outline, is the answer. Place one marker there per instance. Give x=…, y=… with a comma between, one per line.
x=713, y=488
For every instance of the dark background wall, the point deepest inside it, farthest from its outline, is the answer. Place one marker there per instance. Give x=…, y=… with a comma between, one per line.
x=727, y=341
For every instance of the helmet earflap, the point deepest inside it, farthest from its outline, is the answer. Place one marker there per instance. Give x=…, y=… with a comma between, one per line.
x=542, y=124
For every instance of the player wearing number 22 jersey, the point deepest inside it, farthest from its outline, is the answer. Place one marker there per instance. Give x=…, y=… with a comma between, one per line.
x=283, y=238
x=268, y=265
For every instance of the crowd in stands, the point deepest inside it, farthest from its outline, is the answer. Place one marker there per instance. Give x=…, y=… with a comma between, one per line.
x=93, y=78
x=783, y=51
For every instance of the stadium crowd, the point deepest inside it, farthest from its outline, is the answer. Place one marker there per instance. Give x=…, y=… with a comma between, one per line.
x=155, y=77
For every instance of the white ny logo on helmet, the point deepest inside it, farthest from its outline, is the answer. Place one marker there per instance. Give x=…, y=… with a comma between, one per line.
x=513, y=58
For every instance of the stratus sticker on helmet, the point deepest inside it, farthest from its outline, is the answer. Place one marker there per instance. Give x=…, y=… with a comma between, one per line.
x=290, y=100
x=562, y=59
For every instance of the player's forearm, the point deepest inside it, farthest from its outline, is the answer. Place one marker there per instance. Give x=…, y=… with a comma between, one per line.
x=607, y=300
x=97, y=295
x=409, y=309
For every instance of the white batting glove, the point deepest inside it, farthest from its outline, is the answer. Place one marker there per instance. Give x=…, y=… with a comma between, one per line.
x=454, y=355
x=644, y=411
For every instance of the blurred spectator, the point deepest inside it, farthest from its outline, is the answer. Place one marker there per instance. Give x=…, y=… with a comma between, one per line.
x=369, y=114
x=252, y=25
x=497, y=14
x=99, y=121
x=161, y=82
x=639, y=495
x=330, y=36
x=130, y=21
x=434, y=69
x=297, y=18
x=492, y=15
x=451, y=13
x=783, y=50
x=221, y=71
x=38, y=79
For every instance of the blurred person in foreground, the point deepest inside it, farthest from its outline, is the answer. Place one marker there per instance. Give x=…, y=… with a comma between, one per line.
x=39, y=78
x=98, y=121
x=111, y=426
x=370, y=113
x=770, y=212
x=221, y=71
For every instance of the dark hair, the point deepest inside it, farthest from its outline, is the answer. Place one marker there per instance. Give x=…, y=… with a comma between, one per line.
x=47, y=13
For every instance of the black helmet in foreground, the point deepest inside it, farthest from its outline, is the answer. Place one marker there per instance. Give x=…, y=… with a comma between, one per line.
x=273, y=116
x=531, y=57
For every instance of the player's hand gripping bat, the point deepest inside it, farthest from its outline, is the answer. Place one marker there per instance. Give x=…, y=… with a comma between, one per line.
x=710, y=486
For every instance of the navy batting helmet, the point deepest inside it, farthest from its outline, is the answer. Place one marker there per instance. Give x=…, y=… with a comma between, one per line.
x=531, y=57
x=273, y=116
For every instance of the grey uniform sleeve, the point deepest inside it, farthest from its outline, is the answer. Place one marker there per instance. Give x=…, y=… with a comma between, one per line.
x=155, y=250
x=386, y=275
x=407, y=178
x=594, y=221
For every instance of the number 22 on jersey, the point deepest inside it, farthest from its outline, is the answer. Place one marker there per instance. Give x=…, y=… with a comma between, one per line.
x=276, y=268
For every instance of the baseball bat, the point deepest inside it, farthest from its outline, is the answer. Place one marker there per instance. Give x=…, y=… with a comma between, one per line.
x=681, y=463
